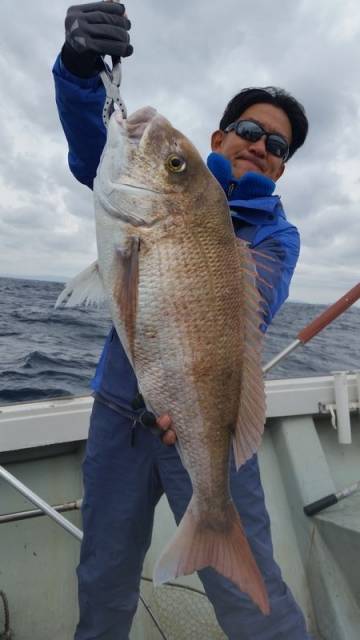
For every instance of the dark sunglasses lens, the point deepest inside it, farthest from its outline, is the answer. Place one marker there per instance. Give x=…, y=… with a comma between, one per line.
x=249, y=130
x=277, y=146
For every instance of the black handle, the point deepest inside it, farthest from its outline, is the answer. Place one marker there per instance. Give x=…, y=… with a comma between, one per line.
x=319, y=505
x=115, y=60
x=148, y=419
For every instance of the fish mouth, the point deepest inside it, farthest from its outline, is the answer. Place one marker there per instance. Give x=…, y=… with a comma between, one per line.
x=136, y=124
x=131, y=132
x=133, y=129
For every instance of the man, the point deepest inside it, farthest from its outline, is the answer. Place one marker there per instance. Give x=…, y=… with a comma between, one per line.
x=127, y=468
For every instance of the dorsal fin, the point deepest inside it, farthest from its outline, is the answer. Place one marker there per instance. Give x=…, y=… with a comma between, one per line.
x=251, y=414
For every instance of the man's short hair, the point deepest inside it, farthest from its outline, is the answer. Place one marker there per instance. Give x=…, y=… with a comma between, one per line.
x=278, y=98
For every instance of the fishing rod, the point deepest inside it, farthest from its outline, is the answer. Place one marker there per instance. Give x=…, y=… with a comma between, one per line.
x=50, y=511
x=318, y=324
x=333, y=498
x=304, y=336
x=41, y=504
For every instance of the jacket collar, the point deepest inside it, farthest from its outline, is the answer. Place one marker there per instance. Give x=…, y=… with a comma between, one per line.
x=258, y=211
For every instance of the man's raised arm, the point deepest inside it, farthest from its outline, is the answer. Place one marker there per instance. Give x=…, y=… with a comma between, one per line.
x=91, y=31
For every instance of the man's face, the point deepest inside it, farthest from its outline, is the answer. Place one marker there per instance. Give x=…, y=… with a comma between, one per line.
x=252, y=156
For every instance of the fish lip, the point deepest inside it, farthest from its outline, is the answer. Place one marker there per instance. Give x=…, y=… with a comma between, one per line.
x=134, y=127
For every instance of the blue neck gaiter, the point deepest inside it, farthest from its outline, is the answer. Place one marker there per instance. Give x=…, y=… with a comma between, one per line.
x=250, y=185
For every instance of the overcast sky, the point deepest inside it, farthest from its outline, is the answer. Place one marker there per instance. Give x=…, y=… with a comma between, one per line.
x=189, y=60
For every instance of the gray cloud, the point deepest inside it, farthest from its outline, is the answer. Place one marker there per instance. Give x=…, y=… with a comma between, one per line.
x=189, y=60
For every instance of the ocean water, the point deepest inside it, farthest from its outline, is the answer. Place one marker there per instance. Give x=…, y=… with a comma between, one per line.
x=47, y=352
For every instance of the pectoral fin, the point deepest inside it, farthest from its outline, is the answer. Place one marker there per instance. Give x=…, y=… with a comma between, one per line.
x=86, y=288
x=126, y=287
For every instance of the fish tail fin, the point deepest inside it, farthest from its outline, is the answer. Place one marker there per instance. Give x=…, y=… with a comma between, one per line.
x=200, y=543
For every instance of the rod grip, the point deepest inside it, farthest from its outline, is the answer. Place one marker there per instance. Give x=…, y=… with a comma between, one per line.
x=329, y=314
x=314, y=507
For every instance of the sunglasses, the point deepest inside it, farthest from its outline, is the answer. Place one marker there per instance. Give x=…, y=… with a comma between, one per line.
x=252, y=131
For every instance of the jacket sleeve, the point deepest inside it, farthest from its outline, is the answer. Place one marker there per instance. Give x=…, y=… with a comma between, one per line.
x=80, y=103
x=276, y=259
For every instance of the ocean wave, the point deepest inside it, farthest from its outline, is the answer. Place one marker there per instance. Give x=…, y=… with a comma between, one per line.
x=31, y=316
x=25, y=394
x=8, y=334
x=57, y=361
x=53, y=352
x=9, y=377
x=65, y=321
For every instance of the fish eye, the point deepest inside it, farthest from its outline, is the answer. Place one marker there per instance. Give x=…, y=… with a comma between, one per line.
x=175, y=163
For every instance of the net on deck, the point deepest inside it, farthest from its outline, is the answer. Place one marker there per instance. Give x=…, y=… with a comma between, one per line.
x=181, y=612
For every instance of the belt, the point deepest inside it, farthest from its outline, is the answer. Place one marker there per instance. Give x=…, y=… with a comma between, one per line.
x=141, y=417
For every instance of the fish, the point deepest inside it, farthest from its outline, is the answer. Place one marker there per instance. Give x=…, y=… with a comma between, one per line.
x=182, y=291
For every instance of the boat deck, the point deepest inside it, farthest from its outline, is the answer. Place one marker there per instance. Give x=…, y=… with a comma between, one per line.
x=301, y=460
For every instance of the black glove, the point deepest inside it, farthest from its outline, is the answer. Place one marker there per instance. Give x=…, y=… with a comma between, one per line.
x=91, y=31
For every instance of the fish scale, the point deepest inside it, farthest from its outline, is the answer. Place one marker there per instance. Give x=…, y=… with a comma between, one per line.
x=168, y=270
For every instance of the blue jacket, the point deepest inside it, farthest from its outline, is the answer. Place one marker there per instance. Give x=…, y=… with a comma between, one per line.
x=257, y=215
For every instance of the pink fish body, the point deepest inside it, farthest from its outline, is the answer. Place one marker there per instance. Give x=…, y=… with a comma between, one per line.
x=182, y=293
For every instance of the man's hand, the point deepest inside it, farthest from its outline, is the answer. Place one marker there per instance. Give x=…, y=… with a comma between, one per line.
x=100, y=27
x=94, y=30
x=165, y=424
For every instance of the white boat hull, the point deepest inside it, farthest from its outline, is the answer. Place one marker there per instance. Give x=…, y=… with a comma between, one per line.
x=301, y=460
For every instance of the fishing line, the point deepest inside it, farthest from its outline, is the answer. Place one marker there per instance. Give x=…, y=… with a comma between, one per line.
x=152, y=616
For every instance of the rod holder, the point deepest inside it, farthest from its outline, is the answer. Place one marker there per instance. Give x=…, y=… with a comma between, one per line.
x=357, y=374
x=342, y=407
